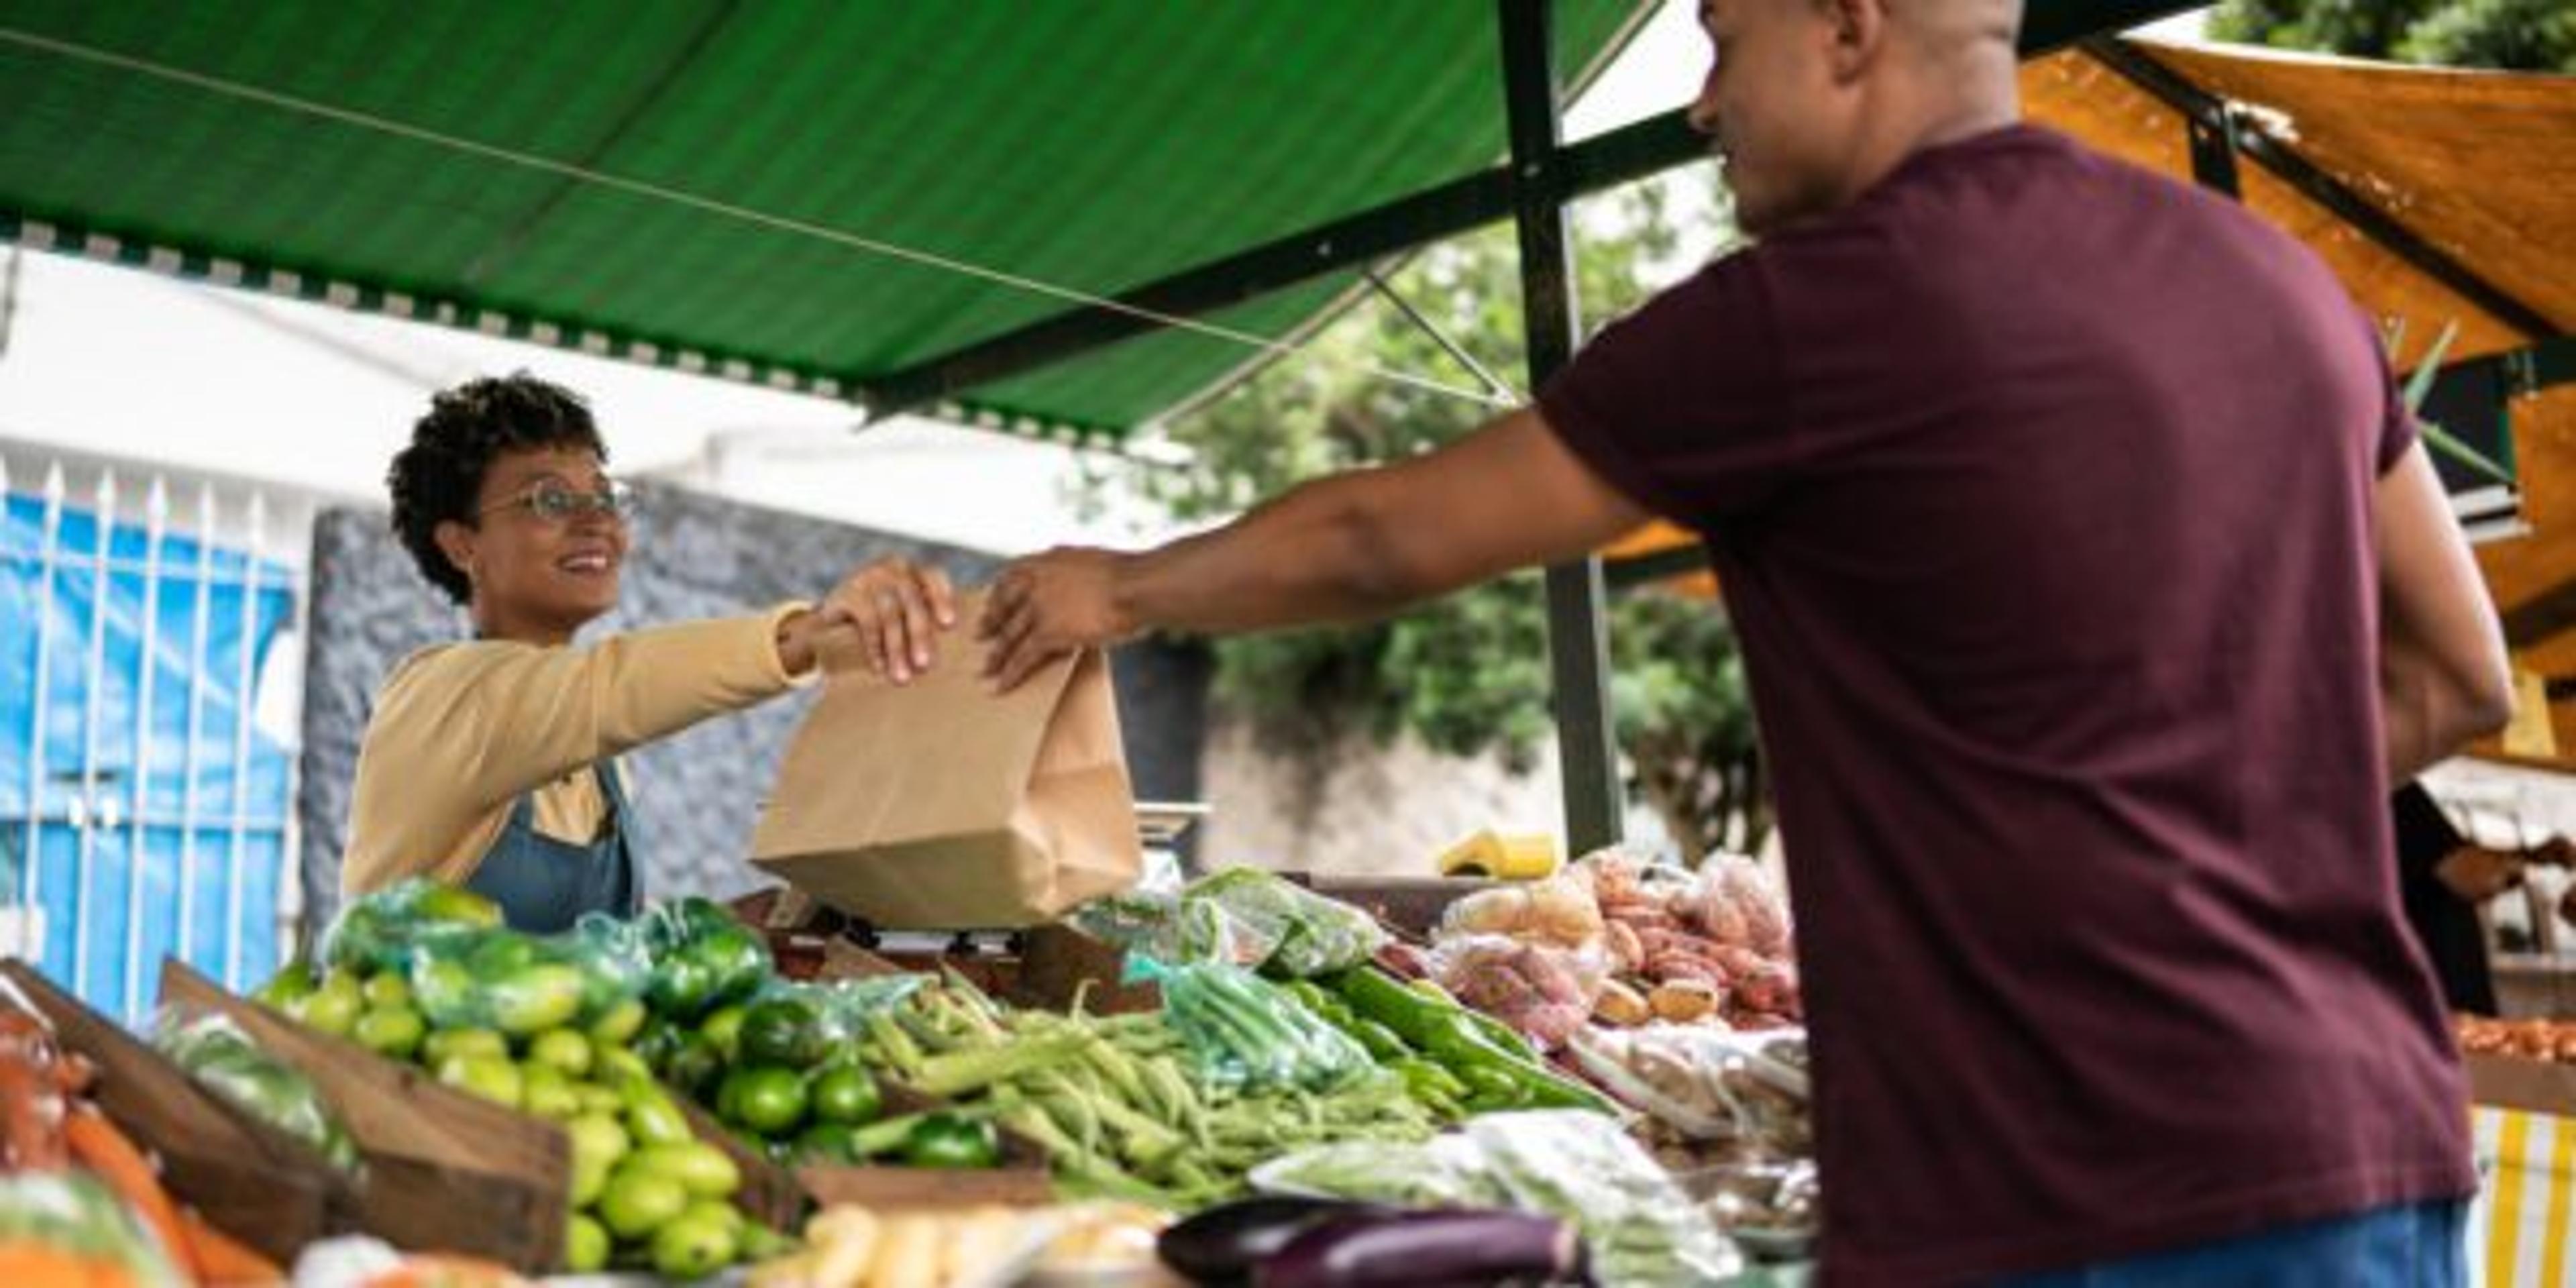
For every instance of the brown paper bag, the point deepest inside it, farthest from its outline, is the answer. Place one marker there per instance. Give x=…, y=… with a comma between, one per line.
x=937, y=806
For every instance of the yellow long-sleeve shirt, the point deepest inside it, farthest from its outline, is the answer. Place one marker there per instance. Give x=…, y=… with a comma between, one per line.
x=461, y=731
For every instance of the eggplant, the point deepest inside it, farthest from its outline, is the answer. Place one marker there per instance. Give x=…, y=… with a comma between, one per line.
x=1220, y=1246
x=1415, y=1249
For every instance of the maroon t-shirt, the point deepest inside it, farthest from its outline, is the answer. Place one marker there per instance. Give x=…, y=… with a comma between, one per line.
x=2040, y=490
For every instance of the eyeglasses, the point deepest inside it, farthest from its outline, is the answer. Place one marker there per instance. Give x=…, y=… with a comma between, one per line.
x=557, y=502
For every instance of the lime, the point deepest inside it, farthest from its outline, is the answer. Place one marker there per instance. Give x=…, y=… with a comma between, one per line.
x=651, y=1119
x=455, y=903
x=489, y=1076
x=635, y=1204
x=534, y=998
x=334, y=1007
x=724, y=1029
x=619, y=1024
x=692, y=1249
x=617, y=1066
x=589, y=1177
x=585, y=1245
x=393, y=1031
x=564, y=1049
x=596, y=1099
x=714, y=1212
x=770, y=1101
x=546, y=1092
x=386, y=988
x=292, y=983
x=845, y=1093
x=702, y=1169
x=597, y=1137
x=438, y=1046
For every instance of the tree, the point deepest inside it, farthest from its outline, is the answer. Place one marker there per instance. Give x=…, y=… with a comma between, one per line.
x=1467, y=674
x=2512, y=35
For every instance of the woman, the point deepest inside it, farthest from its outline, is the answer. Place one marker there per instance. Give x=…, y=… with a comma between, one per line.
x=490, y=763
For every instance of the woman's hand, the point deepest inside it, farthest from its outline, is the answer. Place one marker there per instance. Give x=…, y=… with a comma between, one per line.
x=897, y=609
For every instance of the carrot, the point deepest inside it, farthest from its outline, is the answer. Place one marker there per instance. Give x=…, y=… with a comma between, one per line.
x=30, y=1265
x=97, y=1145
x=221, y=1261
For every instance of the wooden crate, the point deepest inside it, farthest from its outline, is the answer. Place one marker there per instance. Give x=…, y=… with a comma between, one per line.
x=251, y=1180
x=445, y=1171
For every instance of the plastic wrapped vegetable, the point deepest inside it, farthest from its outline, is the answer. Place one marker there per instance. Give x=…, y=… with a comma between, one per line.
x=702, y=958
x=1640, y=1226
x=1734, y=904
x=1545, y=993
x=1244, y=1030
x=64, y=1227
x=1706, y=1084
x=1312, y=933
x=1559, y=911
x=222, y=1058
x=379, y=931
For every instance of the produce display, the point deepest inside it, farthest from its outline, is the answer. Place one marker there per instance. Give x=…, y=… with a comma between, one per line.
x=1120, y=1102
x=81, y=1203
x=1565, y=1084
x=2550, y=1041
x=1639, y=1225
x=545, y=1026
x=1626, y=943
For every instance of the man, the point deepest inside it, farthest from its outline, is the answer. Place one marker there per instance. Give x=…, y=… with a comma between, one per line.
x=2066, y=515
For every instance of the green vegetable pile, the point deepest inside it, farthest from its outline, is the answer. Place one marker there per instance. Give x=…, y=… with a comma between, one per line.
x=426, y=975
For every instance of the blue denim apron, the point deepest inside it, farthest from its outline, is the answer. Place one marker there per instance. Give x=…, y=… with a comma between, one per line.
x=542, y=884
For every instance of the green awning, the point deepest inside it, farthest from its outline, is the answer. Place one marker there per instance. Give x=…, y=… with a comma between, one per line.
x=789, y=192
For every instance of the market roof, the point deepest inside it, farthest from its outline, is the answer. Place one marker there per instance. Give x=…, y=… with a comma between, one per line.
x=811, y=196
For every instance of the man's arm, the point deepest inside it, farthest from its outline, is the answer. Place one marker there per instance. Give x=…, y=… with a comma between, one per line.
x=2443, y=678
x=1354, y=546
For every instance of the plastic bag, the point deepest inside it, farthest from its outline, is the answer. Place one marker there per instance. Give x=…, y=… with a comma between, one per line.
x=77, y=1217
x=525, y=984
x=1559, y=911
x=1173, y=929
x=1543, y=992
x=842, y=1007
x=1708, y=1084
x=1243, y=1030
x=1639, y=1225
x=380, y=931
x=222, y=1058
x=1313, y=934
x=1734, y=903
x=1241, y=916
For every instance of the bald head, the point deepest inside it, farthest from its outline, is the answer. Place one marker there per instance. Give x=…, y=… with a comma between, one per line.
x=1812, y=101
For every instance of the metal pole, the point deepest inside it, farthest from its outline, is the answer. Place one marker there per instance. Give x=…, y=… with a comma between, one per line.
x=246, y=680
x=93, y=698
x=189, y=769
x=1578, y=634
x=138, y=843
x=48, y=543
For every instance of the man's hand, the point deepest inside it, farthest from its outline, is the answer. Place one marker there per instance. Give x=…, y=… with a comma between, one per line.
x=1048, y=605
x=2477, y=874
x=897, y=609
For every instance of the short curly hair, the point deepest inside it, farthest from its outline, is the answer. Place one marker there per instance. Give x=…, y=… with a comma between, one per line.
x=439, y=477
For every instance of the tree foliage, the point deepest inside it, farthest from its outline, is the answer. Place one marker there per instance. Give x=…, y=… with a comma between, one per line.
x=2512, y=35
x=1467, y=674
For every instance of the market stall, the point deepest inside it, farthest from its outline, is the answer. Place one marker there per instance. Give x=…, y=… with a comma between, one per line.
x=1598, y=1073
